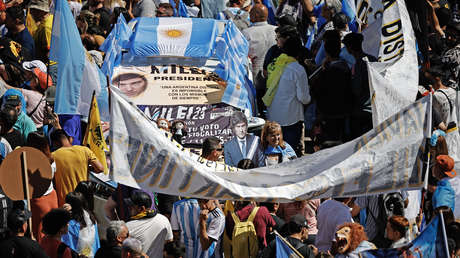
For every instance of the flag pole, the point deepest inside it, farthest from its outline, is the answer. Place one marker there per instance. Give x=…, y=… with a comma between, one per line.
x=446, y=245
x=288, y=244
x=85, y=139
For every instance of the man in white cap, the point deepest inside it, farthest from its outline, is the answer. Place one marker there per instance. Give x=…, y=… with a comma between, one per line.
x=39, y=9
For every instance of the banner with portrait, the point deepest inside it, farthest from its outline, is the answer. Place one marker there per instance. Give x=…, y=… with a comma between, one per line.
x=190, y=95
x=168, y=85
x=201, y=121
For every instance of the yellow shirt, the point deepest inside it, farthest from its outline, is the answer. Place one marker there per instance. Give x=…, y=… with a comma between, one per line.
x=42, y=39
x=71, y=168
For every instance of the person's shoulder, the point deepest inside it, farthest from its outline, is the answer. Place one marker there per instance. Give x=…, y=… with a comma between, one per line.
x=229, y=142
x=263, y=211
x=217, y=214
x=162, y=219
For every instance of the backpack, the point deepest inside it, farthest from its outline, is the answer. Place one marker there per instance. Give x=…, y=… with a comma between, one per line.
x=244, y=239
x=239, y=19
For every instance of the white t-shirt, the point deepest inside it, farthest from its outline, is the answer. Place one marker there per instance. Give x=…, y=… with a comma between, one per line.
x=152, y=232
x=441, y=103
x=215, y=226
x=34, y=98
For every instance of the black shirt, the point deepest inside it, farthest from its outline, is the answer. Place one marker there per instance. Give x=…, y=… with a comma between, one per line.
x=108, y=252
x=21, y=247
x=15, y=139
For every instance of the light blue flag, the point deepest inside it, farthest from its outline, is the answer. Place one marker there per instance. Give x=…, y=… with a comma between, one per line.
x=232, y=52
x=78, y=75
x=173, y=36
x=113, y=45
x=182, y=9
x=349, y=10
x=283, y=250
x=430, y=243
x=67, y=49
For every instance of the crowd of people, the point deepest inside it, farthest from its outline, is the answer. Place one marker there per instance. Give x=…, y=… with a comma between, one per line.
x=311, y=80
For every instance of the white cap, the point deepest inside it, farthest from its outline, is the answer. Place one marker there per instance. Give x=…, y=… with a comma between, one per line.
x=29, y=66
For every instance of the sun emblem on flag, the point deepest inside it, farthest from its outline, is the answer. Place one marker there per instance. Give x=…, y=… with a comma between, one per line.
x=174, y=33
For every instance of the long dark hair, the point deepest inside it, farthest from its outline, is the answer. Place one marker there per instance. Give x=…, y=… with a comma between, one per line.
x=87, y=188
x=78, y=203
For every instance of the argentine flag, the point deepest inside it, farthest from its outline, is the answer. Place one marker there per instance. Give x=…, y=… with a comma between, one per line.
x=232, y=51
x=181, y=11
x=78, y=75
x=349, y=9
x=113, y=45
x=171, y=36
x=283, y=250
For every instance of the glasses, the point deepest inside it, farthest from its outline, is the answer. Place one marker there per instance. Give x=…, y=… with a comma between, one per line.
x=220, y=149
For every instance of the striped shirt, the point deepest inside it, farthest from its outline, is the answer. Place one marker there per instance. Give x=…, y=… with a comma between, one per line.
x=185, y=218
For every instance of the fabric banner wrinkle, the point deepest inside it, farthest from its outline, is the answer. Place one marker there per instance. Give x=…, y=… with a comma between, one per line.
x=149, y=160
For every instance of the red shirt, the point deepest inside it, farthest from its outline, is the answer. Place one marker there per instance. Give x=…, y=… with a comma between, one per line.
x=262, y=220
x=50, y=246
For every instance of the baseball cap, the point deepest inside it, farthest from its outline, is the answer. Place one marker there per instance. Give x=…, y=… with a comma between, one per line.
x=299, y=220
x=12, y=100
x=17, y=218
x=446, y=164
x=139, y=198
x=2, y=6
x=44, y=80
x=41, y=5
x=29, y=66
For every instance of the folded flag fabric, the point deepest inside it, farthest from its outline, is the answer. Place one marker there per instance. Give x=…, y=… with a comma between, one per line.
x=430, y=243
x=172, y=36
x=283, y=250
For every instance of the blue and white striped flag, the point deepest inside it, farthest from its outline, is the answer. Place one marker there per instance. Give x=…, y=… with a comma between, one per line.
x=172, y=36
x=232, y=52
x=182, y=12
x=113, y=45
x=78, y=75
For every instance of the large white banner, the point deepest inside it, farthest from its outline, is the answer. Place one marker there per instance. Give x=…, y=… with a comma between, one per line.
x=389, y=36
x=386, y=158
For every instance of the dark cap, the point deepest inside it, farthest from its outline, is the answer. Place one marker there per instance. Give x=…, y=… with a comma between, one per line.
x=139, y=198
x=299, y=220
x=17, y=218
x=13, y=100
x=286, y=20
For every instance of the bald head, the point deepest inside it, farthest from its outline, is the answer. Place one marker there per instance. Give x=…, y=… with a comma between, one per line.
x=258, y=13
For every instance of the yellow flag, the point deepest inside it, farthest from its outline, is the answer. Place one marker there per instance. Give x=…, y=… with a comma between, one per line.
x=30, y=23
x=94, y=139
